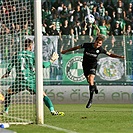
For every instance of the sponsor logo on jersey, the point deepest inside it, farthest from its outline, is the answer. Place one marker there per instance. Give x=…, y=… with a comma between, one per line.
x=97, y=51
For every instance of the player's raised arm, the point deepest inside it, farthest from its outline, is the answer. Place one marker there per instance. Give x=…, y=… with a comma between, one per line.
x=71, y=49
x=114, y=55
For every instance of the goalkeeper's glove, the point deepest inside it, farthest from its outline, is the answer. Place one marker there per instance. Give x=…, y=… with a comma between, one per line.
x=5, y=75
x=54, y=57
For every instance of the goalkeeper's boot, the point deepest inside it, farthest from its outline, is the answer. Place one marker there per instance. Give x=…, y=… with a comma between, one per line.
x=89, y=104
x=5, y=111
x=57, y=113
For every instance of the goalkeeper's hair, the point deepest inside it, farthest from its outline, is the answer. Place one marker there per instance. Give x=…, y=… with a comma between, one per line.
x=28, y=42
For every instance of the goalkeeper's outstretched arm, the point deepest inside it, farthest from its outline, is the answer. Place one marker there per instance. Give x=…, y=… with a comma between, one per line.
x=53, y=58
x=71, y=49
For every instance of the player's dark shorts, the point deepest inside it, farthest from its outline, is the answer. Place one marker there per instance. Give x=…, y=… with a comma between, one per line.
x=89, y=68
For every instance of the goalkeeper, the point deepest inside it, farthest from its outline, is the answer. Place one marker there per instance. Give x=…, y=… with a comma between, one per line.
x=24, y=63
x=91, y=52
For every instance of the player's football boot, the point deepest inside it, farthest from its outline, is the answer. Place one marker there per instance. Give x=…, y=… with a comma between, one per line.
x=57, y=113
x=89, y=104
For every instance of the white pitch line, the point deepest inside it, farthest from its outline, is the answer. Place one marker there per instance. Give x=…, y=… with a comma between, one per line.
x=17, y=118
x=58, y=128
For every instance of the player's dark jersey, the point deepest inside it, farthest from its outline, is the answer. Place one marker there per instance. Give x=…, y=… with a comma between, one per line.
x=90, y=58
x=91, y=53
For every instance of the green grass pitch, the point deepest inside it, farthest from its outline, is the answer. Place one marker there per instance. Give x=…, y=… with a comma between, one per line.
x=100, y=118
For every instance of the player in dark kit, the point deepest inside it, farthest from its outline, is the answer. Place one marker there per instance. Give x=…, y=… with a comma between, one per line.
x=91, y=52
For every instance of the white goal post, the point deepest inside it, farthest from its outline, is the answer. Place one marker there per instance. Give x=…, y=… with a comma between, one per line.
x=39, y=69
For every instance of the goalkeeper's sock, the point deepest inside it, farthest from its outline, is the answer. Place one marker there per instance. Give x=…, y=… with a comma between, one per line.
x=7, y=102
x=48, y=103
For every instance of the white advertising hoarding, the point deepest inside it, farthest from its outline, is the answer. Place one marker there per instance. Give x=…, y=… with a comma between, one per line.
x=80, y=94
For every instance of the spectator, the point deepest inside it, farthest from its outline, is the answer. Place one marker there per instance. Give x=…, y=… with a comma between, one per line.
x=64, y=32
x=128, y=17
x=85, y=10
x=96, y=14
x=4, y=15
x=57, y=21
x=46, y=13
x=52, y=30
x=79, y=2
x=59, y=6
x=71, y=17
x=103, y=29
x=121, y=23
x=77, y=29
x=119, y=10
x=77, y=14
x=72, y=38
x=128, y=36
x=65, y=29
x=107, y=18
x=95, y=29
x=46, y=5
x=108, y=26
x=44, y=28
x=101, y=10
x=109, y=6
x=116, y=30
x=26, y=30
x=64, y=14
x=13, y=14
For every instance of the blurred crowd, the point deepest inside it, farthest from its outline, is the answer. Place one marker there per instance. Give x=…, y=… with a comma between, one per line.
x=67, y=19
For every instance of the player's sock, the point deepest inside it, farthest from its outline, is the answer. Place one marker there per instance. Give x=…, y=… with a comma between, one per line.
x=96, y=90
x=92, y=89
x=50, y=106
x=7, y=102
x=48, y=103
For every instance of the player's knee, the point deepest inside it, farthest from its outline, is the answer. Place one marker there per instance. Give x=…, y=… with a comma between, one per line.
x=91, y=78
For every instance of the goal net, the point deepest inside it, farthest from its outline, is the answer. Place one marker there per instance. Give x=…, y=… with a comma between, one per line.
x=15, y=25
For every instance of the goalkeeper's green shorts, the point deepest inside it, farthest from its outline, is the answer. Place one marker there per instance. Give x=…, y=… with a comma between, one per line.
x=22, y=85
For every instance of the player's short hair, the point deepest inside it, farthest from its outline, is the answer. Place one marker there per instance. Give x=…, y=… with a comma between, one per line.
x=28, y=42
x=100, y=38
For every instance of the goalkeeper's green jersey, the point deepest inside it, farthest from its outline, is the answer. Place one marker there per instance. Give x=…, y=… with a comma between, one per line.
x=24, y=63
